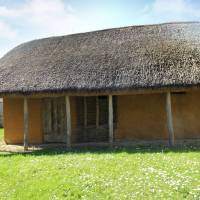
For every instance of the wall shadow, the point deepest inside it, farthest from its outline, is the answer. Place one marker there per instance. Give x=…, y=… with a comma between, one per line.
x=142, y=149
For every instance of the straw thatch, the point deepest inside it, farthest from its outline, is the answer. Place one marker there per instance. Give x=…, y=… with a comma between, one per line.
x=137, y=57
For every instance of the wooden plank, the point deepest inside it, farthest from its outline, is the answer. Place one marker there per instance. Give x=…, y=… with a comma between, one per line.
x=85, y=112
x=48, y=117
x=97, y=112
x=85, y=118
x=26, y=124
x=110, y=119
x=55, y=117
x=63, y=119
x=59, y=120
x=68, y=113
x=169, y=119
x=44, y=120
x=58, y=116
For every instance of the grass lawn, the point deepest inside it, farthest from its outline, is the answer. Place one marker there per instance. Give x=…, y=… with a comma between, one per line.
x=121, y=173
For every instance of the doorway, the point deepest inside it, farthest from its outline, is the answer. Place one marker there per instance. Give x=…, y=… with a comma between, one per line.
x=54, y=120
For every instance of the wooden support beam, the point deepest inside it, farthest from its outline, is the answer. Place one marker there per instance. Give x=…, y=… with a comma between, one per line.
x=26, y=124
x=110, y=118
x=169, y=119
x=97, y=112
x=68, y=114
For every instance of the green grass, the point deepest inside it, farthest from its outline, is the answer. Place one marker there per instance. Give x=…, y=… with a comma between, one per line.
x=121, y=173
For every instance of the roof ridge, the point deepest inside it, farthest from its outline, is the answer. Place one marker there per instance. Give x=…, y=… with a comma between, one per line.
x=114, y=28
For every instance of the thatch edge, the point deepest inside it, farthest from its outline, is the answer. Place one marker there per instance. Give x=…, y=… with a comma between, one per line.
x=128, y=91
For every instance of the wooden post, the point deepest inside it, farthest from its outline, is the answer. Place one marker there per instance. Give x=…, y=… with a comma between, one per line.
x=68, y=114
x=169, y=119
x=110, y=119
x=26, y=124
x=97, y=112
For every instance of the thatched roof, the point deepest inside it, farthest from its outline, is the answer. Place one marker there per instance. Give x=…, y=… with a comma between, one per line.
x=129, y=58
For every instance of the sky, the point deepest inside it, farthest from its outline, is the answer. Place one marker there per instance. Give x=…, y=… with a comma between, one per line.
x=25, y=20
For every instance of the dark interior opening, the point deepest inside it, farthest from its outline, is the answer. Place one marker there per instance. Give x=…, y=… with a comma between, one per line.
x=92, y=118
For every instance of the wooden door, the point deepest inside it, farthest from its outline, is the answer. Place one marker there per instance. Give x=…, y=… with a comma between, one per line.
x=54, y=120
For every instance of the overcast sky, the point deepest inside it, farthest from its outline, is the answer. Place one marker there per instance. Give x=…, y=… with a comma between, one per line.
x=24, y=20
